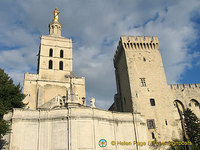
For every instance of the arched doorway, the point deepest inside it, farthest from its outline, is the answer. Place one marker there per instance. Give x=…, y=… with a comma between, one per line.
x=180, y=108
x=195, y=107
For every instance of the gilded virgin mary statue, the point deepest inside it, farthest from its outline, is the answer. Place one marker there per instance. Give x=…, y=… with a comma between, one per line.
x=56, y=13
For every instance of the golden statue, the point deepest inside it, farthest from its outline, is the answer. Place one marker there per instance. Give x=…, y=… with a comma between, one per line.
x=56, y=13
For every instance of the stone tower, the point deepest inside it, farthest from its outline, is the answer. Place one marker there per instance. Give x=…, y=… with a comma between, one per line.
x=142, y=86
x=54, y=83
x=55, y=54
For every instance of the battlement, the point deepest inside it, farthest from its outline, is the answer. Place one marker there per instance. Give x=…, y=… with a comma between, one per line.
x=184, y=86
x=140, y=42
x=30, y=76
x=139, y=39
x=137, y=43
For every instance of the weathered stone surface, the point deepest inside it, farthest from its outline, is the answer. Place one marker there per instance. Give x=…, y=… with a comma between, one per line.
x=141, y=78
x=57, y=118
x=49, y=82
x=74, y=128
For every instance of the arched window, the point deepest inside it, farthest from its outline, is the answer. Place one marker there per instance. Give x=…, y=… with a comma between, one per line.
x=61, y=53
x=50, y=64
x=51, y=52
x=61, y=65
x=178, y=104
x=196, y=103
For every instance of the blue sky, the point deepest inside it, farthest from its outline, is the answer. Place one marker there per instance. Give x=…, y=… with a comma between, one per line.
x=95, y=27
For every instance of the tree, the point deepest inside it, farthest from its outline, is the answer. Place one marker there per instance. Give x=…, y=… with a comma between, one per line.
x=10, y=97
x=182, y=147
x=176, y=147
x=192, y=126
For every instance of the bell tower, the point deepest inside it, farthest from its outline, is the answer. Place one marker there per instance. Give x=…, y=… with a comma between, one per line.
x=54, y=80
x=55, y=54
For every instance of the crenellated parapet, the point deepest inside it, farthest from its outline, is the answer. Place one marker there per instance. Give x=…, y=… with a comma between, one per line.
x=140, y=42
x=184, y=86
x=30, y=76
x=136, y=43
x=188, y=95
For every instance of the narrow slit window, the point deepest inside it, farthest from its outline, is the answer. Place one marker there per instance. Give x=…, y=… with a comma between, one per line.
x=51, y=52
x=153, y=135
x=61, y=53
x=152, y=102
x=166, y=122
x=60, y=65
x=50, y=64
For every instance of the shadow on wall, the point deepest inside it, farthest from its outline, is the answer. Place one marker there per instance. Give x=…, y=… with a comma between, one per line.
x=3, y=143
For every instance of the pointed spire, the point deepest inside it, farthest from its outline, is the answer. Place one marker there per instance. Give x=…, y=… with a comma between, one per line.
x=55, y=27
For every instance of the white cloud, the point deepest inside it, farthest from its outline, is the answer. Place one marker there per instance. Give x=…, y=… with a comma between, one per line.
x=17, y=76
x=96, y=27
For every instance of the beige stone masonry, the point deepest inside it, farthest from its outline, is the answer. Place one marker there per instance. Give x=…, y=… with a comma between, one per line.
x=74, y=129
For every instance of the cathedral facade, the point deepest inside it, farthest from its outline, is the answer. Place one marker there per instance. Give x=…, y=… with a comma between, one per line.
x=145, y=110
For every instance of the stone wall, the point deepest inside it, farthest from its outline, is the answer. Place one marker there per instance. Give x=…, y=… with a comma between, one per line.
x=54, y=77
x=140, y=80
x=40, y=91
x=188, y=95
x=77, y=128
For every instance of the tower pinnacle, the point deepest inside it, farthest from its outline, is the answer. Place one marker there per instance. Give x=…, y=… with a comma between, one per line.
x=56, y=15
x=55, y=27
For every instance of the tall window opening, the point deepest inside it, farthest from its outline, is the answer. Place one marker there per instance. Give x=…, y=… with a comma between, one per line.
x=166, y=122
x=51, y=52
x=153, y=135
x=50, y=64
x=194, y=103
x=60, y=65
x=143, y=82
x=152, y=102
x=61, y=53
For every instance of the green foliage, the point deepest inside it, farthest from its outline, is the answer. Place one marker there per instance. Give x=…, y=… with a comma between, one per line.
x=177, y=147
x=4, y=127
x=10, y=97
x=192, y=126
x=182, y=147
